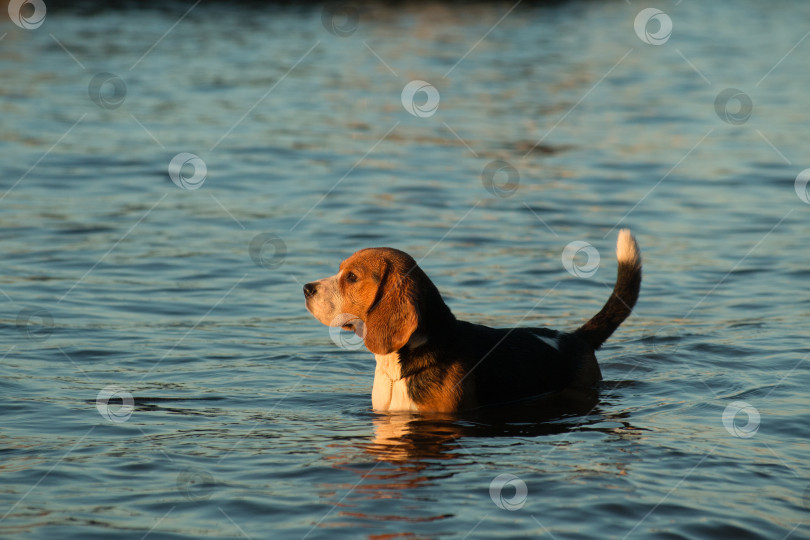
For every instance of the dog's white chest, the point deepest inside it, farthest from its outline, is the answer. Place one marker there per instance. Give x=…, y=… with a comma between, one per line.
x=390, y=391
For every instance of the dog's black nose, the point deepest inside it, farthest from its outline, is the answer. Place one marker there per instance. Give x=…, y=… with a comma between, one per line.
x=310, y=289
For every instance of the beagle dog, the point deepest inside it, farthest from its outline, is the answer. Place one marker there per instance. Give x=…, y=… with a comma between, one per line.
x=429, y=361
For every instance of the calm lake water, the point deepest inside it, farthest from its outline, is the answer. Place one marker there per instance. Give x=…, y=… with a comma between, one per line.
x=162, y=379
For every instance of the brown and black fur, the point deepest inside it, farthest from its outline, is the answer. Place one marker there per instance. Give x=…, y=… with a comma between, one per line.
x=452, y=365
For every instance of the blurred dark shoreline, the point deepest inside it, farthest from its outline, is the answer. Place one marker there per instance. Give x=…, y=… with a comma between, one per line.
x=97, y=6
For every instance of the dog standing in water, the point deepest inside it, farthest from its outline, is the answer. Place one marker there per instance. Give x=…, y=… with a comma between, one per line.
x=429, y=361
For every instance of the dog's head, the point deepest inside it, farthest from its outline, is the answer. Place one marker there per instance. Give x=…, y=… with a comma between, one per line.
x=378, y=293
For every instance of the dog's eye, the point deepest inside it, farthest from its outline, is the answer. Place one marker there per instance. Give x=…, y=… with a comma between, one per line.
x=351, y=277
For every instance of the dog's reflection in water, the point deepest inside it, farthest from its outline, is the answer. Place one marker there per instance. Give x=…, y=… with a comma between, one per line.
x=413, y=437
x=413, y=450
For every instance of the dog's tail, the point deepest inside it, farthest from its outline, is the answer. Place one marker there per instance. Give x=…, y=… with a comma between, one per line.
x=624, y=296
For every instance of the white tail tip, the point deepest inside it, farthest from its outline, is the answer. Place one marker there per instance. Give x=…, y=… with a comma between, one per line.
x=627, y=248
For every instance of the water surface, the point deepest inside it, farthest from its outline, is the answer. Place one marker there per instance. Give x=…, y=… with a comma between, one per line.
x=247, y=420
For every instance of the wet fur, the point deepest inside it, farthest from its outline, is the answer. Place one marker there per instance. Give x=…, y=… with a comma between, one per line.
x=451, y=365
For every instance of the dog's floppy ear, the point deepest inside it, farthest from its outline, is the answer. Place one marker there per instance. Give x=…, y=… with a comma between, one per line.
x=393, y=317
